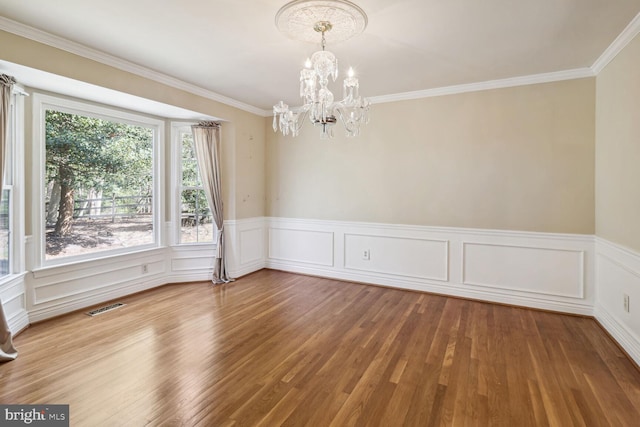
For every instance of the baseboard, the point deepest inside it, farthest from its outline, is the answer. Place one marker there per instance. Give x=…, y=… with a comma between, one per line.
x=618, y=274
x=460, y=291
x=623, y=336
x=187, y=278
x=247, y=269
x=38, y=314
x=18, y=322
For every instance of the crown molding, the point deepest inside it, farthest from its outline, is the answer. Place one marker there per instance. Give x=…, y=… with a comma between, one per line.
x=577, y=73
x=556, y=76
x=623, y=39
x=121, y=64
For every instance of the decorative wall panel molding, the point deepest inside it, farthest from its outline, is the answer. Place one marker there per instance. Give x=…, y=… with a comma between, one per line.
x=246, y=244
x=55, y=290
x=192, y=259
x=251, y=242
x=301, y=246
x=67, y=281
x=400, y=256
x=63, y=305
x=14, y=304
x=547, y=271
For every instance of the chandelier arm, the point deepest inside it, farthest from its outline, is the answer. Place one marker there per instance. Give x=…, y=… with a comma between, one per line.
x=344, y=117
x=302, y=115
x=351, y=117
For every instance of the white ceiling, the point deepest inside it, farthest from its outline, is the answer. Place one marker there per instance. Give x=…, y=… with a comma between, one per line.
x=233, y=48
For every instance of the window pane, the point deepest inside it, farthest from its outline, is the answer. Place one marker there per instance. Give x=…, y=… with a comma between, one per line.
x=196, y=222
x=5, y=246
x=190, y=174
x=99, y=185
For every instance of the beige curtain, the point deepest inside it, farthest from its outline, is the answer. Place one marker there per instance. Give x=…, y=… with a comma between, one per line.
x=206, y=139
x=7, y=350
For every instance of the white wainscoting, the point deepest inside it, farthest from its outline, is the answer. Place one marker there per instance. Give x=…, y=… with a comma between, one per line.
x=558, y=272
x=562, y=272
x=246, y=243
x=618, y=274
x=301, y=246
x=191, y=263
x=14, y=304
x=423, y=258
x=56, y=290
x=541, y=270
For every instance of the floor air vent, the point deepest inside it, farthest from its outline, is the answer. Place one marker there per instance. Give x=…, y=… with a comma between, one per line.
x=105, y=309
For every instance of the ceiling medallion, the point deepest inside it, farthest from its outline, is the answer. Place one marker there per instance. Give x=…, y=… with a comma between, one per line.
x=334, y=21
x=296, y=19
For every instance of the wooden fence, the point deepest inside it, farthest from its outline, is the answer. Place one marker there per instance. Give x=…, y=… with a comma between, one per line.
x=129, y=206
x=111, y=207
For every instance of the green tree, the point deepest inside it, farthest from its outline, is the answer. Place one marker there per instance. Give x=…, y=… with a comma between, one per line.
x=193, y=200
x=91, y=153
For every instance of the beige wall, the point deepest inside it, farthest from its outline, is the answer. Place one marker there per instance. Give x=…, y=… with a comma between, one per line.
x=250, y=168
x=518, y=158
x=243, y=134
x=618, y=149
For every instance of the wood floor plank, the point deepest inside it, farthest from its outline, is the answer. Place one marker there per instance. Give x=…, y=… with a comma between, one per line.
x=276, y=348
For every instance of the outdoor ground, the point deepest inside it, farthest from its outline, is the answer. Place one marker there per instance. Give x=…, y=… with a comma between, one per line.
x=94, y=235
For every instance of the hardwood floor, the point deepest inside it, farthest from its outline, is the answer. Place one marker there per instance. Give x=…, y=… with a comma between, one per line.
x=275, y=348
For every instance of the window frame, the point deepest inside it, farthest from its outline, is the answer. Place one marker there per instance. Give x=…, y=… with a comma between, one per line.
x=42, y=103
x=11, y=233
x=14, y=183
x=177, y=128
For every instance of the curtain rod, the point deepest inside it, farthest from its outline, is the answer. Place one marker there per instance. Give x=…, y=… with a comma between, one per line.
x=19, y=91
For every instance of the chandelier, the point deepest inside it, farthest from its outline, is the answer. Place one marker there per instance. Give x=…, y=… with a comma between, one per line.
x=336, y=20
